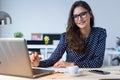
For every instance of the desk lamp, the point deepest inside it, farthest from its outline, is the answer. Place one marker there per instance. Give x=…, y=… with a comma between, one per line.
x=5, y=18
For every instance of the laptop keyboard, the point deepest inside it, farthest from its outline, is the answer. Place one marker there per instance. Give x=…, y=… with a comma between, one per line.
x=36, y=71
x=40, y=71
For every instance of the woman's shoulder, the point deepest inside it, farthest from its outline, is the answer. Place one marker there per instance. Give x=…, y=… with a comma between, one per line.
x=63, y=37
x=63, y=34
x=99, y=29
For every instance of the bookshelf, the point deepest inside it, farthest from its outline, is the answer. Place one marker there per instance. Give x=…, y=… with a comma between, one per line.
x=44, y=50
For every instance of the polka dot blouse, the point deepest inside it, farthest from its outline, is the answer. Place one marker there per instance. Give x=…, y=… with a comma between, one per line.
x=91, y=58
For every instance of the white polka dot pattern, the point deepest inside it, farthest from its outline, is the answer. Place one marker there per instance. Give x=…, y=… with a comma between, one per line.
x=92, y=57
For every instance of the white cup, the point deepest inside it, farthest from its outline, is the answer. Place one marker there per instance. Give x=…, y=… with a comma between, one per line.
x=73, y=70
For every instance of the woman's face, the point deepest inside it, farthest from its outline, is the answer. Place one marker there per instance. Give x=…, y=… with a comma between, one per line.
x=81, y=17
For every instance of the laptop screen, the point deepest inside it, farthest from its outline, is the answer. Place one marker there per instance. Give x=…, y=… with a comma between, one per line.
x=14, y=58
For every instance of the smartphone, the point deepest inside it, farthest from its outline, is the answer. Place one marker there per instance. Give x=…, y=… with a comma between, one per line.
x=99, y=72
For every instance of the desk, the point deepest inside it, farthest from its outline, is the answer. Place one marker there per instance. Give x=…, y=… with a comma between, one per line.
x=115, y=73
x=111, y=54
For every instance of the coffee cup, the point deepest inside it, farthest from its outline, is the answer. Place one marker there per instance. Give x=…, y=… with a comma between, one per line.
x=73, y=70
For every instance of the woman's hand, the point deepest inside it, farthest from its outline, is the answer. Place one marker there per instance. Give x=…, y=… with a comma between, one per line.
x=63, y=64
x=35, y=59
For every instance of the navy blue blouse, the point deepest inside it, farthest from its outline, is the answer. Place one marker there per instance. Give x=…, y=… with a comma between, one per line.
x=92, y=57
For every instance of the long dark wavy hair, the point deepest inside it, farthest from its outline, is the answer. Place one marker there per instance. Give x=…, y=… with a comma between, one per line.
x=74, y=36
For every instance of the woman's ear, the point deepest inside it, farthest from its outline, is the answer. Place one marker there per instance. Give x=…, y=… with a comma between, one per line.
x=91, y=14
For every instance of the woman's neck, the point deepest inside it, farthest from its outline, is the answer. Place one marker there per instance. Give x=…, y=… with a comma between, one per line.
x=85, y=31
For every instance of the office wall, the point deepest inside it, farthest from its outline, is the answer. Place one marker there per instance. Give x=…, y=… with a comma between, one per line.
x=0, y=4
x=0, y=9
x=43, y=16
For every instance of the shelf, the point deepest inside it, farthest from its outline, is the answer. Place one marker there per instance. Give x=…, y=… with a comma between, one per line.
x=38, y=42
x=41, y=46
x=45, y=50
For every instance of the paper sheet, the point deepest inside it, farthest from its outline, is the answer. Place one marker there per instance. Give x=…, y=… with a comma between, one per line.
x=55, y=69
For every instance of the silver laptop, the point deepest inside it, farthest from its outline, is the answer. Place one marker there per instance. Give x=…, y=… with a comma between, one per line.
x=14, y=59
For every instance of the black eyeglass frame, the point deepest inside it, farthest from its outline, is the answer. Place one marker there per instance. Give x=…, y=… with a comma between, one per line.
x=81, y=15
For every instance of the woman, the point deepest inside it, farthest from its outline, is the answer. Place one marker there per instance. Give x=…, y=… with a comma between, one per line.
x=83, y=43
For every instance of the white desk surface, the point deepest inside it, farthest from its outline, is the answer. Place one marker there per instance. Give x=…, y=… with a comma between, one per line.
x=115, y=73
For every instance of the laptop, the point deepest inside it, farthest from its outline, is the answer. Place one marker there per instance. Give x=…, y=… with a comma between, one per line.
x=14, y=59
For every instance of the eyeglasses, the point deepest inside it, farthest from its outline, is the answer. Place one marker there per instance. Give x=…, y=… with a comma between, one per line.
x=81, y=15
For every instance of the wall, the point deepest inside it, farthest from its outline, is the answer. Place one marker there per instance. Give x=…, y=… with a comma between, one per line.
x=43, y=16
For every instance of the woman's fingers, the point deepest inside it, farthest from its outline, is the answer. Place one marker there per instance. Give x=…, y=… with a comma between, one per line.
x=32, y=58
x=36, y=54
x=59, y=64
x=35, y=63
x=37, y=57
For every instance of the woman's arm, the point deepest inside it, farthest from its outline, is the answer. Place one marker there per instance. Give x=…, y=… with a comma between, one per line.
x=56, y=55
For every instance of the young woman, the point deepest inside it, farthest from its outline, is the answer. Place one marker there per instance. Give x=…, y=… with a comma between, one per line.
x=83, y=43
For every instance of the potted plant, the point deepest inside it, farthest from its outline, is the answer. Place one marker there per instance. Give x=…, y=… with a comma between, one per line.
x=18, y=34
x=46, y=40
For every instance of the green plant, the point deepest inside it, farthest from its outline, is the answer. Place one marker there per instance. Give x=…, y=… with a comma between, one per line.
x=46, y=39
x=18, y=35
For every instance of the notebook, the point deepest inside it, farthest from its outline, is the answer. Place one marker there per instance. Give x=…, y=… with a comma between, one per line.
x=14, y=59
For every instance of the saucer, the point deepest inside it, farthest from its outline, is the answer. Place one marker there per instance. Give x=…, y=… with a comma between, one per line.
x=77, y=74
